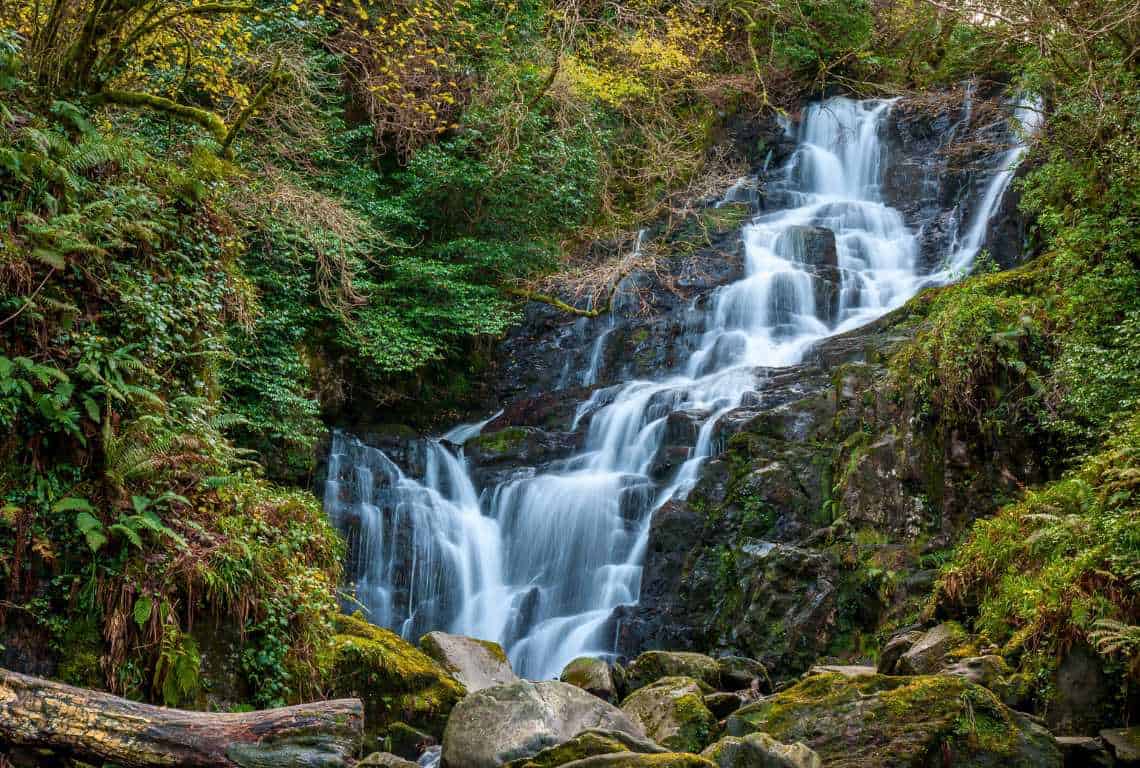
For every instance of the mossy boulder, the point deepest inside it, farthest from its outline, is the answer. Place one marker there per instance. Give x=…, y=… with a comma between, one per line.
x=638, y=760
x=395, y=680
x=591, y=675
x=900, y=722
x=724, y=703
x=588, y=744
x=1124, y=744
x=738, y=673
x=478, y=664
x=673, y=713
x=511, y=722
x=651, y=666
x=759, y=750
x=385, y=760
x=929, y=652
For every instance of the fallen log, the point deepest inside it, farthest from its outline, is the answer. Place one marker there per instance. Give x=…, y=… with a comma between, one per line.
x=91, y=725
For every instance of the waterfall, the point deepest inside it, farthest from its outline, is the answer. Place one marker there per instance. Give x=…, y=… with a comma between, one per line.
x=539, y=561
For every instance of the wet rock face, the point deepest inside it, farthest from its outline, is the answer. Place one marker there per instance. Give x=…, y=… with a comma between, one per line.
x=937, y=149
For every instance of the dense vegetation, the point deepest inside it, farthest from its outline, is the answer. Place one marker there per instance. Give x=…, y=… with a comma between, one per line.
x=221, y=223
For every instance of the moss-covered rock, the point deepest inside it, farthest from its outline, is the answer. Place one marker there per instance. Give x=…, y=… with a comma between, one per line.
x=929, y=653
x=476, y=663
x=673, y=713
x=636, y=760
x=395, y=680
x=591, y=675
x=900, y=722
x=651, y=666
x=385, y=760
x=759, y=750
x=587, y=744
x=512, y=722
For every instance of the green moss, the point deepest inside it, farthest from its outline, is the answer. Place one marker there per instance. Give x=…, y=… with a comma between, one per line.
x=895, y=721
x=583, y=745
x=500, y=442
x=79, y=650
x=396, y=680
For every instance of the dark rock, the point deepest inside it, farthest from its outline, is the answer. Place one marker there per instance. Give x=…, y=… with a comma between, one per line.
x=739, y=673
x=1084, y=695
x=1124, y=744
x=407, y=742
x=722, y=703
x=896, y=646
x=1084, y=752
x=928, y=653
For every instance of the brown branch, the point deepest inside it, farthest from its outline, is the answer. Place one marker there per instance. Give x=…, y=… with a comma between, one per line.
x=562, y=306
x=258, y=101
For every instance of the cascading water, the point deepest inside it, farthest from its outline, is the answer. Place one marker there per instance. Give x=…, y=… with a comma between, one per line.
x=539, y=561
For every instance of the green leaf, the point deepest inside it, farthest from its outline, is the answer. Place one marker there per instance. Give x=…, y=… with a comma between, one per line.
x=128, y=533
x=92, y=530
x=73, y=504
x=142, y=611
x=92, y=408
x=140, y=503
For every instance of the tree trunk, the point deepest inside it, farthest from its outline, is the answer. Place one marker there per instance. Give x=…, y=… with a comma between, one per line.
x=92, y=725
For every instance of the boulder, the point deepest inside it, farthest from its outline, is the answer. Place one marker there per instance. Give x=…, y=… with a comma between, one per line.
x=395, y=680
x=1124, y=744
x=654, y=665
x=672, y=712
x=478, y=664
x=639, y=760
x=587, y=744
x=898, y=644
x=385, y=760
x=592, y=676
x=981, y=670
x=1084, y=752
x=759, y=750
x=1084, y=693
x=927, y=655
x=496, y=725
x=847, y=670
x=722, y=703
x=738, y=673
x=407, y=742
x=897, y=722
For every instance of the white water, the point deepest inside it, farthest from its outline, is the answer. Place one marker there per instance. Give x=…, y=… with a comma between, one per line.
x=539, y=561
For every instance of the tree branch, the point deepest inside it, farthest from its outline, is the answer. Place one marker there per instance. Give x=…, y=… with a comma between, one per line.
x=203, y=117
